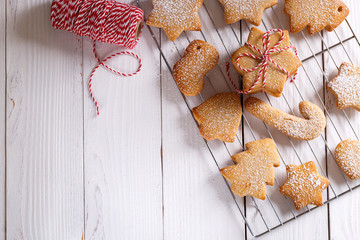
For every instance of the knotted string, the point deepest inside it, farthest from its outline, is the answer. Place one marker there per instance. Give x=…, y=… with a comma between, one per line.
x=264, y=58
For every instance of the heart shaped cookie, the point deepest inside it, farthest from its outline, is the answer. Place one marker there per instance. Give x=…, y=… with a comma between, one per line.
x=347, y=155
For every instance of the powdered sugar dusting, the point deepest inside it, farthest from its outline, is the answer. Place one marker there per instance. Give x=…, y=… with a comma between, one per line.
x=346, y=87
x=254, y=168
x=219, y=117
x=347, y=155
x=317, y=14
x=303, y=129
x=199, y=58
x=304, y=185
x=275, y=78
x=250, y=10
x=175, y=16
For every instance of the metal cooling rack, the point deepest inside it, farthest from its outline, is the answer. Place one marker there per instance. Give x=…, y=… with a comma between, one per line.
x=260, y=216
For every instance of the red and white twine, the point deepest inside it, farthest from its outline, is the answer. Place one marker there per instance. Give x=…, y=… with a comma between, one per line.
x=264, y=58
x=102, y=20
x=102, y=63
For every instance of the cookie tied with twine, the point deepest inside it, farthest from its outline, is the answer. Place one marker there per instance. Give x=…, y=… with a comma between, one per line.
x=106, y=21
x=266, y=61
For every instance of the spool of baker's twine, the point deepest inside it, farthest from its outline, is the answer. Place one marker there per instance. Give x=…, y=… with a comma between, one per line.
x=102, y=20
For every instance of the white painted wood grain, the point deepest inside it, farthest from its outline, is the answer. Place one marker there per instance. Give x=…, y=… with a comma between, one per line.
x=2, y=119
x=123, y=177
x=44, y=126
x=147, y=172
x=197, y=203
x=344, y=212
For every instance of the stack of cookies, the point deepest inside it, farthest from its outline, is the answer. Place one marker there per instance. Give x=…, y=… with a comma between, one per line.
x=265, y=62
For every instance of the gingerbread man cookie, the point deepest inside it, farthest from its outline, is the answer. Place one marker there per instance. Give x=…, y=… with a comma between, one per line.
x=189, y=72
x=250, y=10
x=315, y=14
x=346, y=87
x=275, y=77
x=219, y=117
x=307, y=128
x=347, y=155
x=175, y=16
x=304, y=185
x=254, y=168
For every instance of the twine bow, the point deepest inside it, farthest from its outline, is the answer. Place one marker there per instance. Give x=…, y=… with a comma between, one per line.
x=264, y=58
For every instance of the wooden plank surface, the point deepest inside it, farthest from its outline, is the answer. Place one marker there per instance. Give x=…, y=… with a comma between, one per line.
x=2, y=118
x=123, y=177
x=44, y=126
x=344, y=212
x=192, y=182
x=141, y=170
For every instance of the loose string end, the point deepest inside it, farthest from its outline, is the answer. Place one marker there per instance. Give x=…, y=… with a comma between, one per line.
x=230, y=79
x=103, y=63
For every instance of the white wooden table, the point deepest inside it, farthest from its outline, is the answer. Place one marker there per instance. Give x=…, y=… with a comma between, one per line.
x=138, y=171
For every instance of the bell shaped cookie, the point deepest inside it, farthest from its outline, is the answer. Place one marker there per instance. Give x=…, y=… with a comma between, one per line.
x=219, y=117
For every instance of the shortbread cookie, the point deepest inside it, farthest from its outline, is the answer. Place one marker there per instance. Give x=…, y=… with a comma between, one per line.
x=304, y=185
x=250, y=10
x=307, y=128
x=315, y=14
x=346, y=87
x=347, y=155
x=254, y=168
x=219, y=117
x=189, y=72
x=275, y=78
x=175, y=16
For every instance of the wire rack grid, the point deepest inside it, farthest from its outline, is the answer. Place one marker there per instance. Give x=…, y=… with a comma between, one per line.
x=319, y=52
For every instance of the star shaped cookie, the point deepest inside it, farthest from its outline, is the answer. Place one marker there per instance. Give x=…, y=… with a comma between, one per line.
x=254, y=168
x=276, y=78
x=175, y=16
x=346, y=87
x=250, y=10
x=315, y=14
x=219, y=117
x=304, y=185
